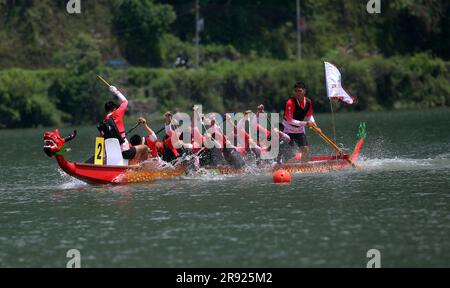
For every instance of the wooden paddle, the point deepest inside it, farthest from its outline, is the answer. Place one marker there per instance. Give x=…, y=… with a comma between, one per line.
x=134, y=127
x=331, y=143
x=160, y=130
x=103, y=80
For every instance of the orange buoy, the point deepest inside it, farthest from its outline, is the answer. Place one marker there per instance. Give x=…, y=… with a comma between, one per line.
x=281, y=176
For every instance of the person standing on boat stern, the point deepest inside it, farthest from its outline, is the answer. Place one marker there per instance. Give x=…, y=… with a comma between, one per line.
x=298, y=114
x=116, y=113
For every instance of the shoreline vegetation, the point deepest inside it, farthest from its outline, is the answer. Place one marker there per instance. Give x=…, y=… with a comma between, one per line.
x=49, y=97
x=397, y=60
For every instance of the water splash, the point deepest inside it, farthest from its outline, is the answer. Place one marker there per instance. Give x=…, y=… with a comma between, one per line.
x=68, y=182
x=396, y=164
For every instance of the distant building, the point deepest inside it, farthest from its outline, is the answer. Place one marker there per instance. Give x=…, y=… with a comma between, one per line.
x=118, y=64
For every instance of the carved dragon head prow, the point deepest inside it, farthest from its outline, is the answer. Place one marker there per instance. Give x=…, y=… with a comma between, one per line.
x=54, y=143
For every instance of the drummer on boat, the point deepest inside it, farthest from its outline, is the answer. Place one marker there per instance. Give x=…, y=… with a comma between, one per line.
x=298, y=114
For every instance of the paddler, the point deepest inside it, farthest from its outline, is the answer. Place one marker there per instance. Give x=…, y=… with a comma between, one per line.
x=172, y=140
x=223, y=151
x=283, y=138
x=148, y=140
x=241, y=131
x=298, y=114
x=164, y=149
x=112, y=126
x=256, y=123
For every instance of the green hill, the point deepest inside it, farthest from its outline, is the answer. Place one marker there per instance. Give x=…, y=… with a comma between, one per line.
x=49, y=58
x=32, y=31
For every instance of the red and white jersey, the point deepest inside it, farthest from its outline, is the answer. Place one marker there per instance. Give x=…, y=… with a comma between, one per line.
x=150, y=141
x=296, y=115
x=117, y=116
x=256, y=124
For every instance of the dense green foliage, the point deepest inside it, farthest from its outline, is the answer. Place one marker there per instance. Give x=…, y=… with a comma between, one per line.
x=24, y=101
x=397, y=83
x=76, y=91
x=139, y=25
x=267, y=27
x=32, y=31
x=395, y=60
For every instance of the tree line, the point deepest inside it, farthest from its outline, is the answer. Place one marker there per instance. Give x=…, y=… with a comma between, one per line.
x=149, y=33
x=394, y=60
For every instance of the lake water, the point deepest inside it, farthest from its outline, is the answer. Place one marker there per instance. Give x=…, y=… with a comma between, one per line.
x=398, y=203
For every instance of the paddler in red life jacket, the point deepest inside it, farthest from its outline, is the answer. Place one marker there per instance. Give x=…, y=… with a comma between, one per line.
x=150, y=140
x=256, y=122
x=241, y=131
x=298, y=114
x=164, y=149
x=113, y=127
x=197, y=138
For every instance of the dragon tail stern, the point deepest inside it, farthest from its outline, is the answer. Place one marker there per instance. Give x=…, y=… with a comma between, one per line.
x=361, y=137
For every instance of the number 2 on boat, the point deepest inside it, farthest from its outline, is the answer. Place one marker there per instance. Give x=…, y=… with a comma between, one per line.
x=99, y=149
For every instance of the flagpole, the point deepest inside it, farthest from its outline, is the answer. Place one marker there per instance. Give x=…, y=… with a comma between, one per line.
x=334, y=90
x=333, y=121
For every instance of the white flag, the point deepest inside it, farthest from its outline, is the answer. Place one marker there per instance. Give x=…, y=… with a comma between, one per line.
x=334, y=87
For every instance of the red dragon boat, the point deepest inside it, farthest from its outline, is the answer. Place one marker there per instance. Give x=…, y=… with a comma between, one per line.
x=54, y=146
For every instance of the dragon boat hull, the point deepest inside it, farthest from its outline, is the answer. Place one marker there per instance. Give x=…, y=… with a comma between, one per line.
x=109, y=174
x=112, y=174
x=317, y=164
